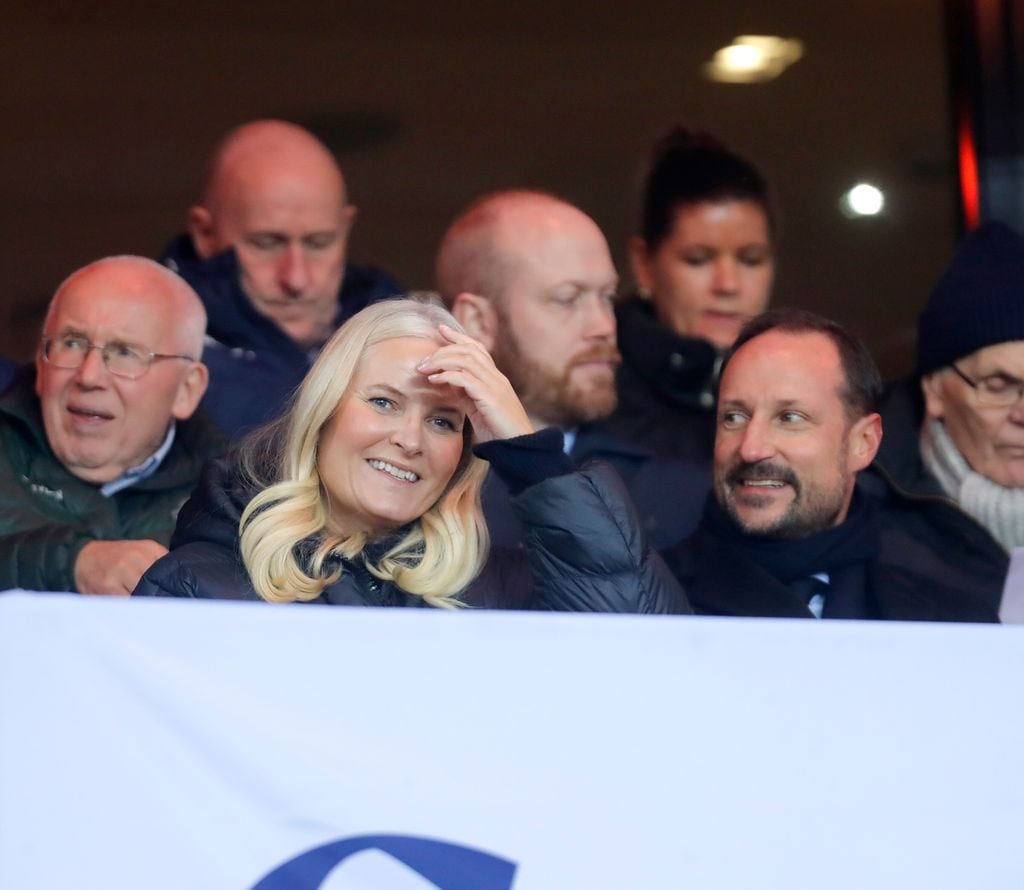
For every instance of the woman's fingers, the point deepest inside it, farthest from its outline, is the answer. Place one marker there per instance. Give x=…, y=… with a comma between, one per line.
x=455, y=336
x=466, y=350
x=496, y=412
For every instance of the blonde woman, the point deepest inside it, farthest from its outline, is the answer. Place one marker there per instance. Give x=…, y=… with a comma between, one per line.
x=367, y=492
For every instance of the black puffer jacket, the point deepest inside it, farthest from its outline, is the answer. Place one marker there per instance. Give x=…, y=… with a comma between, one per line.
x=584, y=548
x=914, y=503
x=668, y=493
x=666, y=385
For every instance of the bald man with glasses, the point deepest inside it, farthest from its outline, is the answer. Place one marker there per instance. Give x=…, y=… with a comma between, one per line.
x=99, y=447
x=951, y=463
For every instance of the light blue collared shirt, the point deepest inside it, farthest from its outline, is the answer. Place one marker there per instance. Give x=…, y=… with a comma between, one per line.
x=143, y=471
x=817, y=602
x=568, y=440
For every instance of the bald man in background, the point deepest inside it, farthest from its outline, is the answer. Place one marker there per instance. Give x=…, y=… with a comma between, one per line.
x=531, y=277
x=266, y=252
x=99, y=447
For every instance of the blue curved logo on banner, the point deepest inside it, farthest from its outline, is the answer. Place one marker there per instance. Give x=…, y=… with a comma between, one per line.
x=449, y=866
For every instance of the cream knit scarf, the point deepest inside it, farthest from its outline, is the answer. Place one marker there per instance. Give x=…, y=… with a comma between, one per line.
x=997, y=508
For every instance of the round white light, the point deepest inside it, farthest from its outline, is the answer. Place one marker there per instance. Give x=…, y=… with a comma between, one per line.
x=863, y=200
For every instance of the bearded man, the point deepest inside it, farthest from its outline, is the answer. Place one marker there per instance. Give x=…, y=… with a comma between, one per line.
x=786, y=533
x=531, y=277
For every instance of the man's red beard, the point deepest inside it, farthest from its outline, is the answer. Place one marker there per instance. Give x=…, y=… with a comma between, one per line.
x=567, y=399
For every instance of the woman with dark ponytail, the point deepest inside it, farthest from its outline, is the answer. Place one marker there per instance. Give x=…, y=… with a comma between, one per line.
x=704, y=264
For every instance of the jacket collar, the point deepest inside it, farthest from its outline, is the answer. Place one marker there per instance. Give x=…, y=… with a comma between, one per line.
x=595, y=442
x=722, y=581
x=677, y=365
x=899, y=455
x=231, y=319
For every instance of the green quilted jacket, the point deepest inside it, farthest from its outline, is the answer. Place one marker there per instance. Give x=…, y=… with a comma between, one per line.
x=47, y=515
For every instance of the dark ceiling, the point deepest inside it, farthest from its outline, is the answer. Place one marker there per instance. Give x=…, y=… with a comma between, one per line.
x=111, y=108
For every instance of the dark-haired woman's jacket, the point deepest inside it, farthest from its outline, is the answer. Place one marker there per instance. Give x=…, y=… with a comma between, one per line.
x=584, y=550
x=666, y=386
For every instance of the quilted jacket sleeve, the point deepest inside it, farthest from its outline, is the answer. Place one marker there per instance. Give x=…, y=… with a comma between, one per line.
x=204, y=561
x=41, y=558
x=200, y=570
x=587, y=550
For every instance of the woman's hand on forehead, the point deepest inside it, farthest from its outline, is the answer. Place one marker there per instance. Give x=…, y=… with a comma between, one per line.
x=494, y=408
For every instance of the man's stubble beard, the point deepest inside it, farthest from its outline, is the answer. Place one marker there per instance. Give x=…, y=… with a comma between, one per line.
x=802, y=518
x=557, y=399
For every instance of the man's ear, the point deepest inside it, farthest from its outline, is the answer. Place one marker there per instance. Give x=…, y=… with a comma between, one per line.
x=934, y=399
x=190, y=390
x=640, y=263
x=200, y=227
x=478, y=316
x=865, y=437
x=348, y=217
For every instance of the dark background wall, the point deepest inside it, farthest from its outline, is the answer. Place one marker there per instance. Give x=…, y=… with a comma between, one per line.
x=110, y=109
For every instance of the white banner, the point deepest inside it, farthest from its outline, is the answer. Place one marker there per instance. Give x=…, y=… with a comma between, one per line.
x=1011, y=607
x=176, y=744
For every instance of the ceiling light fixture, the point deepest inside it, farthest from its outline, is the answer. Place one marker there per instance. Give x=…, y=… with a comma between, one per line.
x=863, y=199
x=753, y=58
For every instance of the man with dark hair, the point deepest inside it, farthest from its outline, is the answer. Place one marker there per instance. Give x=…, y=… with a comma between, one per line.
x=861, y=381
x=951, y=468
x=266, y=252
x=785, y=532
x=531, y=277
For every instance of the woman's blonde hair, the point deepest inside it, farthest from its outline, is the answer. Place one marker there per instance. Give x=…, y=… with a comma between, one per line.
x=285, y=540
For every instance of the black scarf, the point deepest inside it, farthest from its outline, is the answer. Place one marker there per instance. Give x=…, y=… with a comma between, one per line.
x=855, y=541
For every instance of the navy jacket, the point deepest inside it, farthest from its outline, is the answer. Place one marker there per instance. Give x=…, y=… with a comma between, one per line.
x=254, y=365
x=668, y=493
x=7, y=371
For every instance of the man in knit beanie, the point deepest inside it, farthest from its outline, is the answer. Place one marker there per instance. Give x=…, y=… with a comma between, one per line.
x=953, y=451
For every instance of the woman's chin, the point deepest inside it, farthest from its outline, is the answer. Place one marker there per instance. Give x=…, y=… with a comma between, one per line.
x=719, y=329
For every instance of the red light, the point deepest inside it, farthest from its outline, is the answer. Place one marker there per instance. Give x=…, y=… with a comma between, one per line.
x=968, y=159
